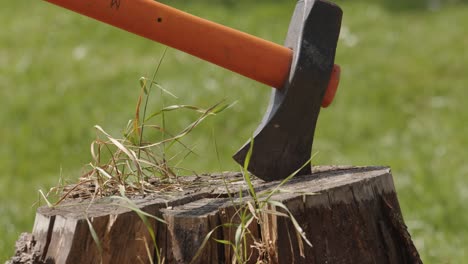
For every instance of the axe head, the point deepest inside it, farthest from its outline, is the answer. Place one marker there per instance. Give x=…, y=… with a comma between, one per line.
x=282, y=144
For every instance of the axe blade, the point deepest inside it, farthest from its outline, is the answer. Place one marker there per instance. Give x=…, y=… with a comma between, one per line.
x=282, y=143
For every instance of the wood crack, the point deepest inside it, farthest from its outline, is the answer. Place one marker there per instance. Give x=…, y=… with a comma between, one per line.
x=350, y=215
x=48, y=238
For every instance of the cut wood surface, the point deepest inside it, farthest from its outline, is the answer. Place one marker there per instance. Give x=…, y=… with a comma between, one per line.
x=349, y=214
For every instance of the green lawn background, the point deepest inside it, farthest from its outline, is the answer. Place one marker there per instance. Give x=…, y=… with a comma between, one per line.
x=401, y=102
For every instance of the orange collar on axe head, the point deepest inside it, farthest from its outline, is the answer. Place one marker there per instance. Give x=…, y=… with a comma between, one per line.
x=302, y=71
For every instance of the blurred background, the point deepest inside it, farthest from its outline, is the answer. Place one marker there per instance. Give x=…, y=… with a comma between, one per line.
x=401, y=102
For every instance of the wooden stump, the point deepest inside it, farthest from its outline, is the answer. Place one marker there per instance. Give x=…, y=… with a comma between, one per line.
x=349, y=214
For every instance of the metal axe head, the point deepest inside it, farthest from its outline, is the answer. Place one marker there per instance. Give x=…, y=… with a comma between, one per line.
x=282, y=144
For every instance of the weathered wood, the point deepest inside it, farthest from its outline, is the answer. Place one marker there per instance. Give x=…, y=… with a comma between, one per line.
x=350, y=215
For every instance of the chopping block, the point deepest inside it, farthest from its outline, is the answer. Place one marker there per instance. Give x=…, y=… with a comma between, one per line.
x=349, y=215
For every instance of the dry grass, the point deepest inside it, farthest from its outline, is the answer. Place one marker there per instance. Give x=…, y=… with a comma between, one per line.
x=131, y=165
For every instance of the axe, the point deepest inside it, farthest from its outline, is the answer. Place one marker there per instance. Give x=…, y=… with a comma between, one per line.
x=302, y=71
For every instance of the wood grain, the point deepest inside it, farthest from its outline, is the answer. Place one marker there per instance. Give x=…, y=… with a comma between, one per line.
x=349, y=214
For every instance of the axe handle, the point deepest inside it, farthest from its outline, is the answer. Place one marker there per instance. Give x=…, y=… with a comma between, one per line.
x=253, y=57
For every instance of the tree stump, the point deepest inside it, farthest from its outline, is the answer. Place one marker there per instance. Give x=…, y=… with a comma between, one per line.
x=349, y=214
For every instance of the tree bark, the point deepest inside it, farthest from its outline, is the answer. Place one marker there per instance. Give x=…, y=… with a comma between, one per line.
x=349, y=215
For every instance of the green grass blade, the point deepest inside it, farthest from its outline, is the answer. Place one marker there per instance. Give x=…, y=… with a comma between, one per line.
x=49, y=204
x=130, y=205
x=287, y=179
x=95, y=237
x=298, y=228
x=204, y=242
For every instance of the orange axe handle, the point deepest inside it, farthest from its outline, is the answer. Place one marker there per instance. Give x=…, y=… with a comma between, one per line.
x=253, y=57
